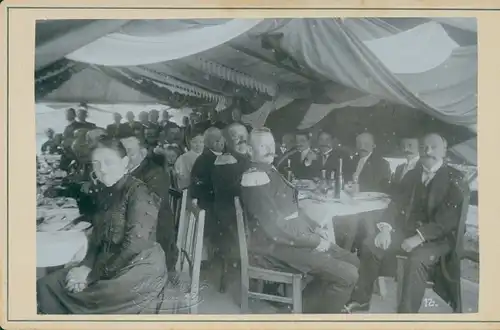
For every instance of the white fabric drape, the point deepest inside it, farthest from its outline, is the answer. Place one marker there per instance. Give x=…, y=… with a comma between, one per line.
x=119, y=49
x=447, y=91
x=258, y=118
x=413, y=53
x=319, y=111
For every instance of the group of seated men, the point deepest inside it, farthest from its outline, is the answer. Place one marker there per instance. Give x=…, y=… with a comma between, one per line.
x=421, y=221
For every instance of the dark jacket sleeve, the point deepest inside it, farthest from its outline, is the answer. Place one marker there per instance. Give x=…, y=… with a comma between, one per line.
x=385, y=175
x=447, y=215
x=134, y=234
x=261, y=207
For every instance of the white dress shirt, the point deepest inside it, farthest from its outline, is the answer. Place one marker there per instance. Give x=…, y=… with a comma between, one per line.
x=324, y=156
x=361, y=164
x=428, y=174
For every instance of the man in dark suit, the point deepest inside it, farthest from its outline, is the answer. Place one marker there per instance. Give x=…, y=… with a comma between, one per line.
x=410, y=148
x=302, y=160
x=421, y=222
x=82, y=115
x=201, y=186
x=328, y=158
x=236, y=118
x=369, y=170
x=132, y=126
x=287, y=238
x=117, y=129
x=146, y=170
x=226, y=178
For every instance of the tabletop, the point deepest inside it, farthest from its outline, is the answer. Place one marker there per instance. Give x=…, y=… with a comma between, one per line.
x=60, y=247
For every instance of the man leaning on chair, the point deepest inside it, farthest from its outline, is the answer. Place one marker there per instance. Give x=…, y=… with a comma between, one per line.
x=421, y=223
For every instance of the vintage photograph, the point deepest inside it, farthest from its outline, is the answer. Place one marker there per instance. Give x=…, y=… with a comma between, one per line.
x=257, y=166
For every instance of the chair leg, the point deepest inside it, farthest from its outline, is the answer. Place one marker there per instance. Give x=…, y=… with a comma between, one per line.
x=399, y=278
x=245, y=283
x=222, y=284
x=297, y=294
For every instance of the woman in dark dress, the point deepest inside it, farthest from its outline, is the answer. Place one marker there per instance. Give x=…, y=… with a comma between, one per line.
x=124, y=270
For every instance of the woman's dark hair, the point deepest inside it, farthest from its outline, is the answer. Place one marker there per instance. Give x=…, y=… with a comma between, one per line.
x=113, y=144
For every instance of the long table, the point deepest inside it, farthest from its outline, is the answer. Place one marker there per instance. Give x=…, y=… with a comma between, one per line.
x=342, y=217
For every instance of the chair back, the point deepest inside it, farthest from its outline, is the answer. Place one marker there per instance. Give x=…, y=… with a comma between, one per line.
x=190, y=243
x=182, y=230
x=175, y=201
x=242, y=237
x=461, y=230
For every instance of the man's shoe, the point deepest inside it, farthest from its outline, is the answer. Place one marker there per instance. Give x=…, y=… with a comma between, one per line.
x=355, y=306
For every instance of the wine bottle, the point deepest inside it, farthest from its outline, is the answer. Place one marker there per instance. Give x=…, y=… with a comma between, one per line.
x=339, y=182
x=289, y=174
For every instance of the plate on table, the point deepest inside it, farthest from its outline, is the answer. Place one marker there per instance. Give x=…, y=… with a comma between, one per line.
x=304, y=184
x=56, y=219
x=369, y=196
x=81, y=226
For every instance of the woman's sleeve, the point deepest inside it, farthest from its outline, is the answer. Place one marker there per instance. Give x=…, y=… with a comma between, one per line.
x=140, y=224
x=89, y=259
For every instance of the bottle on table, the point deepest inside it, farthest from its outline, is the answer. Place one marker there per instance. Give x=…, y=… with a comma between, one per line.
x=339, y=181
x=289, y=173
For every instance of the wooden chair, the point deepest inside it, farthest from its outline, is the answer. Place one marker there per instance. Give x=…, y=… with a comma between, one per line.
x=460, y=253
x=249, y=272
x=175, y=201
x=182, y=291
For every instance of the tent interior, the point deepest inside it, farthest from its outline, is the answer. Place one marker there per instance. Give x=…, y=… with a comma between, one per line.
x=384, y=75
x=390, y=76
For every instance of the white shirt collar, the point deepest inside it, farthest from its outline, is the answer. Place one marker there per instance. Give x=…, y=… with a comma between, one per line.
x=364, y=158
x=327, y=152
x=304, y=153
x=434, y=168
x=216, y=153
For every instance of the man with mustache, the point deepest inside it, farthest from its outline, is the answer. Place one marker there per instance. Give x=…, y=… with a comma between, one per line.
x=329, y=157
x=367, y=168
x=421, y=222
x=226, y=177
x=280, y=233
x=410, y=148
x=201, y=186
x=132, y=126
x=117, y=129
x=304, y=156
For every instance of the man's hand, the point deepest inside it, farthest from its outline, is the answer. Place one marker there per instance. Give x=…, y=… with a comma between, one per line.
x=411, y=243
x=76, y=279
x=323, y=233
x=324, y=245
x=383, y=239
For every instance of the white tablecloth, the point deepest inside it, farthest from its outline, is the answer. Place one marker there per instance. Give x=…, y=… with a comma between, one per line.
x=59, y=248
x=323, y=212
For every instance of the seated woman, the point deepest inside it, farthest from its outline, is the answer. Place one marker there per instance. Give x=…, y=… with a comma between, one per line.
x=124, y=270
x=184, y=164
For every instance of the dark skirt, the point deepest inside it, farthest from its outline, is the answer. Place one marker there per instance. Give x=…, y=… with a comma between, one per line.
x=134, y=290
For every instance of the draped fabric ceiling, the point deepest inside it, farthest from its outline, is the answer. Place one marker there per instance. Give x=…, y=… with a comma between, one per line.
x=308, y=69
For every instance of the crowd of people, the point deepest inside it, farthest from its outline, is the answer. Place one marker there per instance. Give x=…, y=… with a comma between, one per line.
x=122, y=177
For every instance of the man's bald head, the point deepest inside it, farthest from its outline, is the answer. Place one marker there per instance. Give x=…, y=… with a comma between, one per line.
x=214, y=139
x=365, y=144
x=237, y=137
x=262, y=146
x=433, y=148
